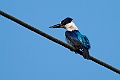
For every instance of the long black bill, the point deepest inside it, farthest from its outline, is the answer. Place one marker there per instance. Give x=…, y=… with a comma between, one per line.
x=56, y=26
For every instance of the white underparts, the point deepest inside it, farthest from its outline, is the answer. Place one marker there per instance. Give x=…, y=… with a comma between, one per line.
x=71, y=26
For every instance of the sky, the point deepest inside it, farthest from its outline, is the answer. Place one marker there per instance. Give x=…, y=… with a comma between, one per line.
x=25, y=55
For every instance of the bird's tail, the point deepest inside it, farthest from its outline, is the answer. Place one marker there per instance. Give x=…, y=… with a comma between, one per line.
x=86, y=53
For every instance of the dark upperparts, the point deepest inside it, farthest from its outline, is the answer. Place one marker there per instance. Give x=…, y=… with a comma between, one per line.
x=73, y=33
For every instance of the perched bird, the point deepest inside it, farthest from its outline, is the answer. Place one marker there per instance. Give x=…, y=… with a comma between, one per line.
x=74, y=37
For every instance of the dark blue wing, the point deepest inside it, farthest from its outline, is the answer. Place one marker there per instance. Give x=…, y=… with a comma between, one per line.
x=79, y=41
x=72, y=39
x=84, y=40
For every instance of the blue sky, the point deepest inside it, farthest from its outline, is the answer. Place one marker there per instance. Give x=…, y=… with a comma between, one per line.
x=24, y=55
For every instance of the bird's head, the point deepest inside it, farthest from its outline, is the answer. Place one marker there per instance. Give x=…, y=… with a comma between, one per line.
x=67, y=23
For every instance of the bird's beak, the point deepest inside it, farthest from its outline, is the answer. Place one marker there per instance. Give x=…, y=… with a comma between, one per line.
x=56, y=26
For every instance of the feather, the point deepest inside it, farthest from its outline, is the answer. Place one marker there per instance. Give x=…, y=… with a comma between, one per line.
x=79, y=41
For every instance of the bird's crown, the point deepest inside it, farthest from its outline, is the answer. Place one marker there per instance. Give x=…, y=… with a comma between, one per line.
x=66, y=21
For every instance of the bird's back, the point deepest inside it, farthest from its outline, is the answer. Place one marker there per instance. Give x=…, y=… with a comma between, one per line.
x=76, y=39
x=72, y=38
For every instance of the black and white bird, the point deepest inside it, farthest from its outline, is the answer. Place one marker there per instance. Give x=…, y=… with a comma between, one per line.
x=74, y=37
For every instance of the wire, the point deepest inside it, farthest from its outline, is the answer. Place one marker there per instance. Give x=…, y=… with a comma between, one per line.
x=56, y=40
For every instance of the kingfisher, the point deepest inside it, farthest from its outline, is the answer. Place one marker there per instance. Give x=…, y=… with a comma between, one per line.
x=74, y=37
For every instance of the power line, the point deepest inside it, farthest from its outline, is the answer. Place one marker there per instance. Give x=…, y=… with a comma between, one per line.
x=56, y=40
